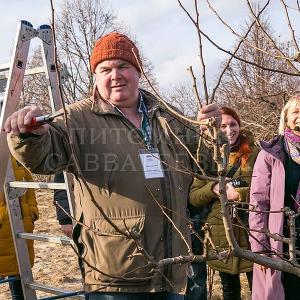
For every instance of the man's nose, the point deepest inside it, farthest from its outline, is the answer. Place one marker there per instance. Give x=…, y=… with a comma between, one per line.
x=115, y=73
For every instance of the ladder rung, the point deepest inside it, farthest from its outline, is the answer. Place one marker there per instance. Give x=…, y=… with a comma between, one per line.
x=4, y=69
x=62, y=240
x=52, y=290
x=37, y=185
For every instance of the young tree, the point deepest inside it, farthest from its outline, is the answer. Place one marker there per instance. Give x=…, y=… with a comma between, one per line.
x=259, y=95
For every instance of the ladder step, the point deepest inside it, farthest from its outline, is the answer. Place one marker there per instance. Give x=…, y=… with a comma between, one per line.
x=52, y=290
x=62, y=240
x=37, y=185
x=76, y=295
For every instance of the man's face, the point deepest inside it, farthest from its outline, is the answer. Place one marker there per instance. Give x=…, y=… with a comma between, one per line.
x=117, y=82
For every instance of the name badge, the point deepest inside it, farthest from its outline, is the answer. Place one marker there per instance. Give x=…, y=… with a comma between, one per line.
x=151, y=163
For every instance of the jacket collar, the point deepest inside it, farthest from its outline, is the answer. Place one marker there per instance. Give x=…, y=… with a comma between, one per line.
x=275, y=147
x=101, y=106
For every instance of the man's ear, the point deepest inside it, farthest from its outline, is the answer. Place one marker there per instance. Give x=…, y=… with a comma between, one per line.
x=96, y=93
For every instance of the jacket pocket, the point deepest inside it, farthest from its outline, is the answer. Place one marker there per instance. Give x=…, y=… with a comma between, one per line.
x=117, y=256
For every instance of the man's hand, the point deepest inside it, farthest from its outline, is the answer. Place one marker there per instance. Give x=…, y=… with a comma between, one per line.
x=210, y=111
x=67, y=229
x=21, y=121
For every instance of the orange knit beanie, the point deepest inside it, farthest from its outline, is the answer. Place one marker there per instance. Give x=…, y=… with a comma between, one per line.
x=114, y=45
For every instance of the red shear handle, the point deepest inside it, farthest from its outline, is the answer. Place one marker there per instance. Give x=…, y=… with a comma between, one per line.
x=38, y=121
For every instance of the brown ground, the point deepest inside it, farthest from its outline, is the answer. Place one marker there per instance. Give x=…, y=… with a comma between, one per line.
x=56, y=265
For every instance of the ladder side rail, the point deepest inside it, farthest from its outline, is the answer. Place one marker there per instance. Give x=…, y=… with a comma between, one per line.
x=69, y=180
x=14, y=87
x=46, y=35
x=21, y=250
x=12, y=95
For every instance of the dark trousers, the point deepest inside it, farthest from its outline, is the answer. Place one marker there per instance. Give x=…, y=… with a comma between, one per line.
x=231, y=285
x=16, y=290
x=290, y=284
x=135, y=296
x=196, y=287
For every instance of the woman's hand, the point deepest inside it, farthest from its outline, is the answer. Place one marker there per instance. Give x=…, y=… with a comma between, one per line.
x=232, y=194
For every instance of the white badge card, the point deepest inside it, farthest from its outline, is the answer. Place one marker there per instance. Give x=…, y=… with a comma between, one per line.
x=151, y=163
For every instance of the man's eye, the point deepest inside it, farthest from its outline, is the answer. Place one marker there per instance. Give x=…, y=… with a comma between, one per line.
x=104, y=71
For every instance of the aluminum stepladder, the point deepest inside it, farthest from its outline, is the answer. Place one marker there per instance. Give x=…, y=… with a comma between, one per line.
x=13, y=189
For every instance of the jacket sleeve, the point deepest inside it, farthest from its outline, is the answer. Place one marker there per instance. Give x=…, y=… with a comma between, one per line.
x=44, y=154
x=260, y=201
x=201, y=193
x=243, y=194
x=31, y=199
x=60, y=196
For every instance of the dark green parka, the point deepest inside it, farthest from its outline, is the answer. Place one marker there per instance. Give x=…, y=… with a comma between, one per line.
x=201, y=194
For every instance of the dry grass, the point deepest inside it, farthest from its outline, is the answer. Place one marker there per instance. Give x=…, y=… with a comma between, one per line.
x=57, y=266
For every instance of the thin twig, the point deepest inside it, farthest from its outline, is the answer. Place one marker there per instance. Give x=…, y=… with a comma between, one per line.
x=160, y=99
x=290, y=25
x=195, y=87
x=234, y=52
x=238, y=57
x=256, y=18
x=171, y=221
x=283, y=57
x=185, y=147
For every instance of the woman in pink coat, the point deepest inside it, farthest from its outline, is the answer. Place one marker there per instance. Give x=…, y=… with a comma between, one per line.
x=276, y=184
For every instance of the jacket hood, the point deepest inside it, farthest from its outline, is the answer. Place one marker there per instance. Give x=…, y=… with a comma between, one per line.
x=275, y=147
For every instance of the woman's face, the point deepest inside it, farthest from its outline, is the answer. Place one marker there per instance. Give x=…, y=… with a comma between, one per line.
x=231, y=128
x=293, y=118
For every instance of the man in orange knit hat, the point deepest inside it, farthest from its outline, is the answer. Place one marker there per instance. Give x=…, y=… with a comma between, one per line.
x=130, y=177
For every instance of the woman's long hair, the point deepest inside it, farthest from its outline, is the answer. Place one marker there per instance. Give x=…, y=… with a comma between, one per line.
x=244, y=149
x=293, y=102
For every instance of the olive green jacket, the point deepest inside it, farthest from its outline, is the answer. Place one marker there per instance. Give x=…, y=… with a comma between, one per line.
x=107, y=146
x=201, y=194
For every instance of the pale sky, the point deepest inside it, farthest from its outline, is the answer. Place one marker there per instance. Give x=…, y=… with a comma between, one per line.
x=165, y=34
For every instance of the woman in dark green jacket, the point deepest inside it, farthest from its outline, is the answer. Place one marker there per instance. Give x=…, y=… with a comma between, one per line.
x=243, y=153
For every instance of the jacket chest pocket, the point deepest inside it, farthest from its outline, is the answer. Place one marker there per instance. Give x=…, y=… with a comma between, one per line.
x=116, y=256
